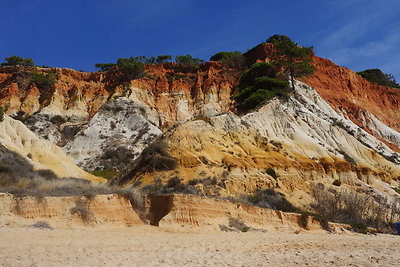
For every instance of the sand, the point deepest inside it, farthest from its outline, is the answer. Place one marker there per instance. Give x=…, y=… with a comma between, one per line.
x=171, y=245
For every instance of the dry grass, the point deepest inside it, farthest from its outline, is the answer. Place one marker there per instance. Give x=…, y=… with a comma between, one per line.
x=358, y=209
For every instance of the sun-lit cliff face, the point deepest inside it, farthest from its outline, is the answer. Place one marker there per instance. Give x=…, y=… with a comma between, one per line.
x=301, y=138
x=335, y=126
x=373, y=107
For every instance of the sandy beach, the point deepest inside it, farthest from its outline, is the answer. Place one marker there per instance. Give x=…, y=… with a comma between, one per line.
x=192, y=246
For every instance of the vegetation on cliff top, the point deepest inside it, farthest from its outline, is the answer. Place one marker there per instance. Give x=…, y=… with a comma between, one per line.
x=377, y=76
x=17, y=61
x=232, y=59
x=290, y=56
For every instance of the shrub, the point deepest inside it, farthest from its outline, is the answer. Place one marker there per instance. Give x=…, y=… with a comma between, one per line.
x=187, y=63
x=44, y=81
x=1, y=113
x=231, y=59
x=16, y=60
x=269, y=198
x=355, y=208
x=163, y=58
x=82, y=209
x=238, y=224
x=47, y=174
x=377, y=76
x=131, y=68
x=105, y=66
x=42, y=225
x=258, y=85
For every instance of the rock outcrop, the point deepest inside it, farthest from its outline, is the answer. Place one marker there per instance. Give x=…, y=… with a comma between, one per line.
x=373, y=107
x=112, y=211
x=302, y=138
x=41, y=154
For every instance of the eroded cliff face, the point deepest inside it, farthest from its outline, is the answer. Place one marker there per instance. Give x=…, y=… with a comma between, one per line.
x=373, y=107
x=41, y=154
x=94, y=115
x=114, y=211
x=302, y=138
x=340, y=128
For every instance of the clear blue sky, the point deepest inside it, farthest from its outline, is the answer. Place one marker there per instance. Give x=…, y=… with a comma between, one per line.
x=357, y=34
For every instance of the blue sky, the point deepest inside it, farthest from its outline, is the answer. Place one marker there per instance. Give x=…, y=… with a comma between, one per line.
x=357, y=34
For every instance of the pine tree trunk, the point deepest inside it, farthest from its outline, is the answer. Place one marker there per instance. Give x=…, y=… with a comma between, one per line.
x=292, y=78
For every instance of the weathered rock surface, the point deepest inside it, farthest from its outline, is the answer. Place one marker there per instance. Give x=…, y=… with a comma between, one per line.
x=373, y=107
x=302, y=138
x=42, y=154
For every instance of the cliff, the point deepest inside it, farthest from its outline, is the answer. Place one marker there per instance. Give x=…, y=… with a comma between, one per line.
x=373, y=107
x=113, y=211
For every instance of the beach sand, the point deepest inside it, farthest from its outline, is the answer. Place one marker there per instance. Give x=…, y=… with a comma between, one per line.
x=193, y=246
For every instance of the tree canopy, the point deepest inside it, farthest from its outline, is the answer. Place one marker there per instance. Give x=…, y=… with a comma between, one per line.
x=131, y=68
x=232, y=59
x=258, y=85
x=16, y=60
x=294, y=59
x=377, y=76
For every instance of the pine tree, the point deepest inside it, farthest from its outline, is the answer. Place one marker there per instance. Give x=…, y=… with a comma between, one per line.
x=294, y=59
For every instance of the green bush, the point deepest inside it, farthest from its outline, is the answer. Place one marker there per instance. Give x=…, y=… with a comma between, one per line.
x=105, y=66
x=163, y=58
x=232, y=59
x=291, y=57
x=377, y=76
x=131, y=68
x=187, y=63
x=257, y=70
x=158, y=59
x=258, y=85
x=16, y=60
x=43, y=81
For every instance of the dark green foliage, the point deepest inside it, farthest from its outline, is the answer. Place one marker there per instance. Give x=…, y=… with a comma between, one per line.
x=257, y=70
x=231, y=59
x=278, y=38
x=258, y=85
x=44, y=81
x=377, y=76
x=131, y=68
x=1, y=113
x=16, y=60
x=159, y=59
x=163, y=58
x=187, y=63
x=105, y=66
x=294, y=59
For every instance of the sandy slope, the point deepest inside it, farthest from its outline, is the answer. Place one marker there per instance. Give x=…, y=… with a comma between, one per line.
x=169, y=245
